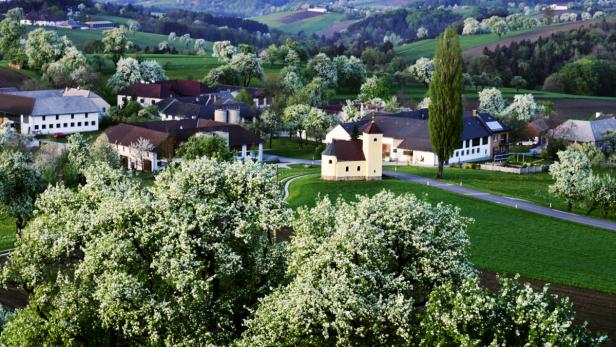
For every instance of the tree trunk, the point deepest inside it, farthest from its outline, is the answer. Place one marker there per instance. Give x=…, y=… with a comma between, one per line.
x=271, y=136
x=569, y=206
x=592, y=208
x=439, y=173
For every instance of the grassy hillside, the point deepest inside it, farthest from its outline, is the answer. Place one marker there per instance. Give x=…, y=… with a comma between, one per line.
x=313, y=25
x=80, y=37
x=425, y=48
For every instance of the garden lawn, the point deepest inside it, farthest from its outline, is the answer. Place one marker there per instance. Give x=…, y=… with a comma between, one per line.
x=7, y=233
x=285, y=147
x=296, y=169
x=532, y=187
x=503, y=239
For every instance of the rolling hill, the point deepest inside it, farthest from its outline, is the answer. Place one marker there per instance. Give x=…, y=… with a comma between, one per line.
x=308, y=22
x=80, y=37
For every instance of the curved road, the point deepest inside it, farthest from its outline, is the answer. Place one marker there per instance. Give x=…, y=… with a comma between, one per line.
x=494, y=198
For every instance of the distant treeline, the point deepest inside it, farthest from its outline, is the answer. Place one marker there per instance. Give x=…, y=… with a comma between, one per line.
x=577, y=61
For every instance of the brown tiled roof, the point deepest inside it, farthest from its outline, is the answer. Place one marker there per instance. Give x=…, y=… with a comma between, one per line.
x=17, y=105
x=127, y=134
x=166, y=89
x=372, y=128
x=350, y=150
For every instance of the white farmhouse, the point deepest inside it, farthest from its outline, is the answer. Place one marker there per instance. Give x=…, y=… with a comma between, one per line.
x=406, y=137
x=52, y=111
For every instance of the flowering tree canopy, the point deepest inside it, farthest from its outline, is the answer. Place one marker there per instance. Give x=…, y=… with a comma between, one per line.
x=151, y=71
x=422, y=70
x=359, y=270
x=321, y=66
x=114, y=41
x=44, y=47
x=223, y=50
x=569, y=173
x=181, y=265
x=491, y=100
x=471, y=26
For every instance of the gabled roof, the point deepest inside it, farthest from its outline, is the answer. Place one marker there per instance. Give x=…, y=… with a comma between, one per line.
x=16, y=105
x=345, y=150
x=204, y=106
x=166, y=89
x=185, y=128
x=411, y=127
x=601, y=125
x=63, y=105
x=127, y=134
x=372, y=128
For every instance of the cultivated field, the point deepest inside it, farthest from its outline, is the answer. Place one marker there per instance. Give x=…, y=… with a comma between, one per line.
x=473, y=45
x=527, y=36
x=304, y=21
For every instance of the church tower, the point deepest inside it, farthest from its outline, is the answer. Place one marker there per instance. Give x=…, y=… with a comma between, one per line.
x=372, y=142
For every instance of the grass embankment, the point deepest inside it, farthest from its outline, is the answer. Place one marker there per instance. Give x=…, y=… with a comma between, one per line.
x=532, y=187
x=7, y=233
x=503, y=239
x=291, y=148
x=282, y=173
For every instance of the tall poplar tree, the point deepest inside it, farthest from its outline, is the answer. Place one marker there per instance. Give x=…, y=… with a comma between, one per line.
x=445, y=120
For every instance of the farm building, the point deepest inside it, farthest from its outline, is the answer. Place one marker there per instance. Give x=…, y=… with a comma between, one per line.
x=52, y=111
x=217, y=106
x=406, y=137
x=148, y=146
x=148, y=94
x=585, y=131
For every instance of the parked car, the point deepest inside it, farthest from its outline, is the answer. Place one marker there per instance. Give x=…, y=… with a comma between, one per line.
x=58, y=135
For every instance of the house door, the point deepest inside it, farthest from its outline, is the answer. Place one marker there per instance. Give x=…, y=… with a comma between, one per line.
x=147, y=165
x=386, y=150
x=124, y=161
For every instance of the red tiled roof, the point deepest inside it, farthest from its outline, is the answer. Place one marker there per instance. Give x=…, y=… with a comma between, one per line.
x=16, y=105
x=165, y=89
x=351, y=150
x=372, y=128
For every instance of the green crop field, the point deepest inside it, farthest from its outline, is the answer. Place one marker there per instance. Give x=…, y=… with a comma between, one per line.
x=313, y=25
x=425, y=48
x=503, y=239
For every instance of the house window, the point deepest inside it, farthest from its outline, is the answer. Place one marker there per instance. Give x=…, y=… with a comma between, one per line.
x=44, y=126
x=153, y=102
x=476, y=142
x=104, y=109
x=50, y=126
x=141, y=100
x=36, y=127
x=359, y=168
x=85, y=123
x=484, y=140
x=485, y=151
x=43, y=118
x=467, y=152
x=72, y=116
x=375, y=139
x=330, y=161
x=78, y=124
x=72, y=124
x=57, y=116
x=65, y=125
x=86, y=115
x=395, y=150
x=93, y=123
x=347, y=169
x=461, y=144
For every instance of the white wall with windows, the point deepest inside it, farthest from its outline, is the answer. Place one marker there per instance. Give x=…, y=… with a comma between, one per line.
x=472, y=150
x=60, y=123
x=143, y=101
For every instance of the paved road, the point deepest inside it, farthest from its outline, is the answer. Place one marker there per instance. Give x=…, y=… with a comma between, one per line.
x=494, y=198
x=503, y=200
